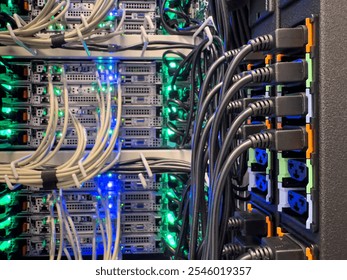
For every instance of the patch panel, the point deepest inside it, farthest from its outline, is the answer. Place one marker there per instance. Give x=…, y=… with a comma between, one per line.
x=141, y=201
x=141, y=244
x=140, y=90
x=144, y=6
x=38, y=246
x=38, y=225
x=76, y=202
x=153, y=100
x=72, y=17
x=132, y=182
x=141, y=222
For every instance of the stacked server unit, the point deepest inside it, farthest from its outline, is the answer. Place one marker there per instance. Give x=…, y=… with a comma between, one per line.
x=147, y=211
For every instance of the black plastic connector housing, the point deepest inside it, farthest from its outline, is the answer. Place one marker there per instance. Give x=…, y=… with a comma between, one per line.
x=250, y=129
x=288, y=139
x=280, y=140
x=289, y=38
x=290, y=105
x=284, y=248
x=289, y=72
x=249, y=223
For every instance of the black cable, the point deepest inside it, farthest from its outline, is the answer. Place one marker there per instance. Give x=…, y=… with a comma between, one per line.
x=219, y=115
x=217, y=194
x=198, y=188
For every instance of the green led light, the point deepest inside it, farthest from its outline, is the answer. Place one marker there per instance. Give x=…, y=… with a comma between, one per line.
x=110, y=131
x=174, y=109
x=171, y=194
x=5, y=245
x=170, y=132
x=59, y=134
x=61, y=114
x=8, y=87
x=6, y=110
x=5, y=200
x=171, y=218
x=172, y=178
x=57, y=91
x=5, y=223
x=50, y=27
x=9, y=4
x=171, y=240
x=173, y=65
x=6, y=132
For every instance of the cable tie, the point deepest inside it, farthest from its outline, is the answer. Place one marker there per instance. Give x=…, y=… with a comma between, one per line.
x=76, y=181
x=19, y=42
x=143, y=181
x=49, y=179
x=145, y=40
x=84, y=44
x=14, y=164
x=146, y=165
x=81, y=167
x=206, y=23
x=9, y=184
x=209, y=36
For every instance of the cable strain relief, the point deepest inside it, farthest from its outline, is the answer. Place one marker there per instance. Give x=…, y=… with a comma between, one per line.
x=231, y=53
x=261, y=253
x=261, y=43
x=262, y=108
x=234, y=223
x=234, y=106
x=237, y=77
x=261, y=140
x=232, y=249
x=262, y=75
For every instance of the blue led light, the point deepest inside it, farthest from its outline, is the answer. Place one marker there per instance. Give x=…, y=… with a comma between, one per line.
x=110, y=184
x=110, y=205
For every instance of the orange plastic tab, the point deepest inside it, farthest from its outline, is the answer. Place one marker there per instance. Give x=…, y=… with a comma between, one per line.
x=310, y=35
x=279, y=57
x=309, y=254
x=249, y=67
x=24, y=250
x=249, y=207
x=269, y=226
x=25, y=72
x=25, y=94
x=25, y=227
x=268, y=124
x=25, y=138
x=25, y=116
x=310, y=148
x=268, y=59
x=280, y=232
x=26, y=6
x=279, y=125
x=25, y=205
x=249, y=122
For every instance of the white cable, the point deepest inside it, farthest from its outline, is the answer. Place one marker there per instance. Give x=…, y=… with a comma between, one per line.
x=118, y=229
